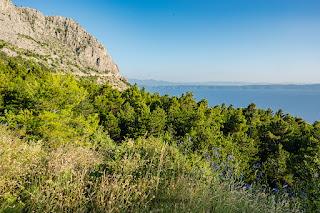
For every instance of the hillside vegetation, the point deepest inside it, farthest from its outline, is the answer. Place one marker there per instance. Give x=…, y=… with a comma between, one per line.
x=69, y=145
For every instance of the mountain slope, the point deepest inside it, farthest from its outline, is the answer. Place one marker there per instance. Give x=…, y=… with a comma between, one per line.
x=59, y=43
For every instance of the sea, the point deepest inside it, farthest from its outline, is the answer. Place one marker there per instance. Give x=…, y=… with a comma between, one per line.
x=300, y=101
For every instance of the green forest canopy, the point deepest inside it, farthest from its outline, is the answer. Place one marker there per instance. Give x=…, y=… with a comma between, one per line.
x=62, y=109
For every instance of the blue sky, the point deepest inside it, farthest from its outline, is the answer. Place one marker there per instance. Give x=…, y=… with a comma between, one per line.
x=269, y=41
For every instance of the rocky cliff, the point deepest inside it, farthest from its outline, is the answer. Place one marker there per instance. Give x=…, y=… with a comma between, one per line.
x=59, y=43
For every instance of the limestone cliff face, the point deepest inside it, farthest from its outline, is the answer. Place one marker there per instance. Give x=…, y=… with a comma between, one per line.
x=56, y=41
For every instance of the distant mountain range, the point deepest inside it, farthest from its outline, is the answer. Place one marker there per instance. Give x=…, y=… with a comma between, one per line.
x=151, y=82
x=220, y=85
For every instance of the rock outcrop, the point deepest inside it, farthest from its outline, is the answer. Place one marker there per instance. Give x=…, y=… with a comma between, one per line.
x=57, y=42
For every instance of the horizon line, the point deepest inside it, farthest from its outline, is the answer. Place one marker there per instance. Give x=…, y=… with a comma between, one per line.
x=234, y=82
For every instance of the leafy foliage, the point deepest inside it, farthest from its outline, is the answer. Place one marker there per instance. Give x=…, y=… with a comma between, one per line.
x=271, y=148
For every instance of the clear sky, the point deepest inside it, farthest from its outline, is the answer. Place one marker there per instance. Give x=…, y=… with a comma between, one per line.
x=269, y=41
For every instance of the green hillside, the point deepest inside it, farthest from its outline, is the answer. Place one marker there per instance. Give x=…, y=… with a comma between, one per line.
x=69, y=145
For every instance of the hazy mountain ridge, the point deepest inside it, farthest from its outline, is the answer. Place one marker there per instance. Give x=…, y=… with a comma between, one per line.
x=57, y=42
x=151, y=82
x=220, y=85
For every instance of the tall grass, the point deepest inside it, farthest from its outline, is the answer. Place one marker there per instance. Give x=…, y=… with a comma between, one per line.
x=145, y=175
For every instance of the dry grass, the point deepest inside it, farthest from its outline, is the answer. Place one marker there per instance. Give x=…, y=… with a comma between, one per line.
x=145, y=175
x=18, y=160
x=37, y=179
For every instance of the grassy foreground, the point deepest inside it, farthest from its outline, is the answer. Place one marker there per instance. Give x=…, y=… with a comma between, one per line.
x=143, y=175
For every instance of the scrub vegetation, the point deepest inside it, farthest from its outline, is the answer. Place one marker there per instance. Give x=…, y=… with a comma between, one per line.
x=69, y=145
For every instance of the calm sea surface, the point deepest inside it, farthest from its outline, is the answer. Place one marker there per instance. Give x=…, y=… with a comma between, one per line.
x=302, y=103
